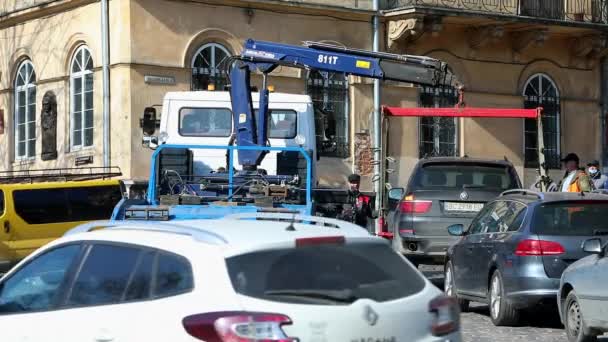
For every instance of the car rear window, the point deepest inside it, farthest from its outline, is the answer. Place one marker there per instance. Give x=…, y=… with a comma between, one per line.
x=571, y=218
x=442, y=176
x=325, y=274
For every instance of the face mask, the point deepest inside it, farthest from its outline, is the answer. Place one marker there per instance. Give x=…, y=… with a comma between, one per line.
x=592, y=171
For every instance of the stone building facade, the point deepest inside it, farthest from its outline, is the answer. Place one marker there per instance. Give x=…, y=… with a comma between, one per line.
x=508, y=54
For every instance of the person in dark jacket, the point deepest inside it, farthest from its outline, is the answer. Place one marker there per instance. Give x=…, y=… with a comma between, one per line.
x=359, y=211
x=599, y=180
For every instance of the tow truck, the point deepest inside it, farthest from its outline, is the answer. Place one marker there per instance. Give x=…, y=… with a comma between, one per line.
x=175, y=192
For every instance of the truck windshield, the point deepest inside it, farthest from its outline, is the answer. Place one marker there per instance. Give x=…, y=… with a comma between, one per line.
x=217, y=122
x=572, y=218
x=448, y=176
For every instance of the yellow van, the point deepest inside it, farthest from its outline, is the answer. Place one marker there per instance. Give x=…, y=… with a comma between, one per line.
x=33, y=214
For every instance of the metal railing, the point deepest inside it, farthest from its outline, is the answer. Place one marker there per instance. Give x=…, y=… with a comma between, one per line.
x=584, y=11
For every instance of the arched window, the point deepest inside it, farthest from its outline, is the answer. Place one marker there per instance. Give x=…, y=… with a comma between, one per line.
x=540, y=91
x=81, y=90
x=329, y=93
x=438, y=135
x=209, y=67
x=25, y=111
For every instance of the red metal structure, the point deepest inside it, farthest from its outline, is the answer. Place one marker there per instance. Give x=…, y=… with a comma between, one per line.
x=461, y=111
x=504, y=113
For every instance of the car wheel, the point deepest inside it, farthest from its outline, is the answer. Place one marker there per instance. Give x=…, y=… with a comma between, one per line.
x=449, y=287
x=502, y=312
x=575, y=325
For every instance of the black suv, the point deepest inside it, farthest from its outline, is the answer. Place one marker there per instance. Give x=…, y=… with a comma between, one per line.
x=442, y=192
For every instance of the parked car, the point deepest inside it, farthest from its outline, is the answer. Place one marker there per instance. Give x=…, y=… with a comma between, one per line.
x=514, y=252
x=440, y=192
x=34, y=213
x=259, y=276
x=583, y=295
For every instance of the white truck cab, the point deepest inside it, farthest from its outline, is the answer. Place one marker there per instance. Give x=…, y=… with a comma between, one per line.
x=205, y=118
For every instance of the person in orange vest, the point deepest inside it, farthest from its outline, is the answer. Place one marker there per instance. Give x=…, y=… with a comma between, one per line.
x=575, y=179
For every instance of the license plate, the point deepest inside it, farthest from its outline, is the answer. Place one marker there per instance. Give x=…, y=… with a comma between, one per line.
x=463, y=207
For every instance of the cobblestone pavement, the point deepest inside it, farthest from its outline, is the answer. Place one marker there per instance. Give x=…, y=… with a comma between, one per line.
x=477, y=326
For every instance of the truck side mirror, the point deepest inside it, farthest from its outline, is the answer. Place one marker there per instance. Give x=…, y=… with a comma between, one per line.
x=148, y=122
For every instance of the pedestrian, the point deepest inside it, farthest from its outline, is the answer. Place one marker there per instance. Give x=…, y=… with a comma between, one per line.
x=599, y=180
x=361, y=207
x=575, y=179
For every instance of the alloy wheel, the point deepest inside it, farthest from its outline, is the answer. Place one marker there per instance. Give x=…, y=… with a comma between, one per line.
x=495, y=297
x=448, y=284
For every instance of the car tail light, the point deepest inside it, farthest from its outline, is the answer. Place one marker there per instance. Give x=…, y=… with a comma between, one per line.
x=446, y=318
x=238, y=326
x=323, y=240
x=386, y=235
x=532, y=247
x=415, y=206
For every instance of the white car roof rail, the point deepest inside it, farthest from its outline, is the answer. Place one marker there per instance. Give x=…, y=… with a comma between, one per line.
x=198, y=234
x=527, y=192
x=301, y=219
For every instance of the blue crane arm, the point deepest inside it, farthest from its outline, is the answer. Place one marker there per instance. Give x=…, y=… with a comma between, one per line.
x=264, y=57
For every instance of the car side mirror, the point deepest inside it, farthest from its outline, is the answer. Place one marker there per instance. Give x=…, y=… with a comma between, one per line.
x=456, y=230
x=396, y=194
x=148, y=122
x=593, y=246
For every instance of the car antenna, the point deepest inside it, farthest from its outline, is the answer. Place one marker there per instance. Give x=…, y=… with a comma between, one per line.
x=291, y=227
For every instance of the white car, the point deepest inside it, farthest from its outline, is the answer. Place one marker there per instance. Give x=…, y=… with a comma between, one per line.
x=249, y=277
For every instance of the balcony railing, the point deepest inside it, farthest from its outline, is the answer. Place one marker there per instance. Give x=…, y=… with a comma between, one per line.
x=584, y=11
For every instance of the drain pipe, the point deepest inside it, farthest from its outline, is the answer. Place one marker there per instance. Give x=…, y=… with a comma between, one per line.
x=378, y=176
x=105, y=47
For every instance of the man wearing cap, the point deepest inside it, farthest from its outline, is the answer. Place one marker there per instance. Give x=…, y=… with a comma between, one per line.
x=598, y=179
x=575, y=179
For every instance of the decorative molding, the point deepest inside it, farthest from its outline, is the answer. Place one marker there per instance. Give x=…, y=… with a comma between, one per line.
x=525, y=39
x=586, y=51
x=402, y=31
x=481, y=36
x=581, y=46
x=434, y=25
x=599, y=50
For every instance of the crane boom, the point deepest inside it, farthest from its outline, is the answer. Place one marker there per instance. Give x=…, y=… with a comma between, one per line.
x=264, y=57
